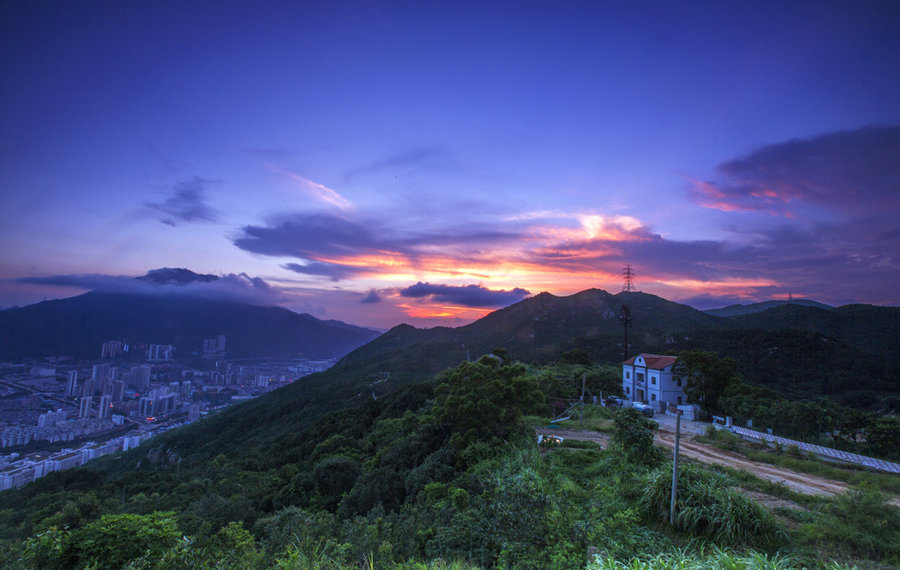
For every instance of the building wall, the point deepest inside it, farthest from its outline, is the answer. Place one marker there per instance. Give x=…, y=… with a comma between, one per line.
x=641, y=382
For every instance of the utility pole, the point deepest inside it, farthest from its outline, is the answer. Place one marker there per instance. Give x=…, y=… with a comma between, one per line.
x=625, y=319
x=675, y=469
x=583, y=381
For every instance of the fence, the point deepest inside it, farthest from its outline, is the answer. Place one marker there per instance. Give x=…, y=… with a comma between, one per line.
x=845, y=456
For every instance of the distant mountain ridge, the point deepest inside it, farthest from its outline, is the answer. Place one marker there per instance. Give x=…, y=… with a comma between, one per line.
x=800, y=362
x=737, y=310
x=794, y=348
x=78, y=326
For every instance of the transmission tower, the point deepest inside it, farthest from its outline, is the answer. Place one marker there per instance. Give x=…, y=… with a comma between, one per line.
x=628, y=274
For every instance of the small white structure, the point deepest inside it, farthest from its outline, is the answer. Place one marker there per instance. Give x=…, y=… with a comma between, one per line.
x=648, y=378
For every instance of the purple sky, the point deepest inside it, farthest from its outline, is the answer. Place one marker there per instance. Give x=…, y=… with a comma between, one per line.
x=427, y=162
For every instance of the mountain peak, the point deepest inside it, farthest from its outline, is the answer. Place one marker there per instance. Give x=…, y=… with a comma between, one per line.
x=175, y=276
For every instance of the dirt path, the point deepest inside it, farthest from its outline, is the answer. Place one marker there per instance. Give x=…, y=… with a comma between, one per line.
x=799, y=482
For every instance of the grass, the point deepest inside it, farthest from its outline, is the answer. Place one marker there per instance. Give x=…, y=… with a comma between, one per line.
x=714, y=559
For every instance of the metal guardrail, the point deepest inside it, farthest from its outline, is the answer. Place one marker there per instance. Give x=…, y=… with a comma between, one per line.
x=846, y=456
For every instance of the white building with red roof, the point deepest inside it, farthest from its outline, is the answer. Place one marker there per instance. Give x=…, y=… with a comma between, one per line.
x=648, y=378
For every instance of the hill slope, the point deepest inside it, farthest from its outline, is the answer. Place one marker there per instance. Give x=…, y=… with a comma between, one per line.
x=736, y=310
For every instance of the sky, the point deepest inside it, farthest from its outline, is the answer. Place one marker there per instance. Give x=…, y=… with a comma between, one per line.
x=429, y=162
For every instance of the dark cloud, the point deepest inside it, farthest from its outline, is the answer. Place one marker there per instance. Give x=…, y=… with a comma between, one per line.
x=856, y=171
x=334, y=271
x=466, y=295
x=371, y=298
x=186, y=204
x=314, y=236
x=231, y=287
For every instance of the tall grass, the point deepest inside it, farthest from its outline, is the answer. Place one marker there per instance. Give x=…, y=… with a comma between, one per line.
x=714, y=560
x=708, y=506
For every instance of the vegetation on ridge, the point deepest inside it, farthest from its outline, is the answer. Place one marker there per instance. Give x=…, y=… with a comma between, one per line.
x=442, y=474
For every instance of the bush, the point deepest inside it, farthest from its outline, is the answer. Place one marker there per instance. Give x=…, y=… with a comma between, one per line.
x=633, y=435
x=859, y=522
x=708, y=506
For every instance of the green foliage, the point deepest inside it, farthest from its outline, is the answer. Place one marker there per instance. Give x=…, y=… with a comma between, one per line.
x=485, y=401
x=883, y=437
x=633, y=436
x=860, y=523
x=108, y=543
x=564, y=380
x=424, y=477
x=714, y=559
x=707, y=377
x=708, y=506
x=575, y=356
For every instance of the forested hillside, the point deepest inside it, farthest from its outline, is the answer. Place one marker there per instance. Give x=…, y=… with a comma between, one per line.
x=439, y=474
x=415, y=451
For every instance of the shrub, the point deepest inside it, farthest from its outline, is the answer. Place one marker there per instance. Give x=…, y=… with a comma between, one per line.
x=708, y=506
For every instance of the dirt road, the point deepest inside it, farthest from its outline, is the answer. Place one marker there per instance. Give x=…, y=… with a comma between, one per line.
x=799, y=482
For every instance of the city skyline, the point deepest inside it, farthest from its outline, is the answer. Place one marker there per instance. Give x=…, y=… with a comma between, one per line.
x=386, y=162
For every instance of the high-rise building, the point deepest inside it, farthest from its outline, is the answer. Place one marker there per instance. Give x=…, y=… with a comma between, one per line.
x=160, y=352
x=147, y=407
x=84, y=411
x=118, y=391
x=50, y=419
x=71, y=383
x=111, y=349
x=100, y=372
x=87, y=389
x=105, y=407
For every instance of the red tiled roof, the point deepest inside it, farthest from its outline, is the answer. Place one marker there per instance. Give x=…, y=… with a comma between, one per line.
x=654, y=361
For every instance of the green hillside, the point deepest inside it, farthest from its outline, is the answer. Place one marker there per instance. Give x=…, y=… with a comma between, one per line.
x=407, y=455
x=441, y=474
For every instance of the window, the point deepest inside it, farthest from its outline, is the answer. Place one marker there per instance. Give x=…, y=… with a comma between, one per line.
x=679, y=382
x=653, y=380
x=640, y=376
x=653, y=397
x=627, y=390
x=627, y=374
x=679, y=400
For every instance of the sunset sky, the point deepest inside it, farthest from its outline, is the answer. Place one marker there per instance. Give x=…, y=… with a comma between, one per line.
x=428, y=162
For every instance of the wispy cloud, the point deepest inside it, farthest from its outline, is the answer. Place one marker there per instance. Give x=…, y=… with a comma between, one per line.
x=415, y=159
x=186, y=204
x=835, y=198
x=318, y=191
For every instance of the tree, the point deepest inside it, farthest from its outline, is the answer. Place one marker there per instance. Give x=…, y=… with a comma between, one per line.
x=111, y=542
x=882, y=435
x=707, y=377
x=485, y=401
x=633, y=435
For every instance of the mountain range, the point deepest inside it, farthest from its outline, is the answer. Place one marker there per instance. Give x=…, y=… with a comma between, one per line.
x=736, y=310
x=800, y=348
x=78, y=326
